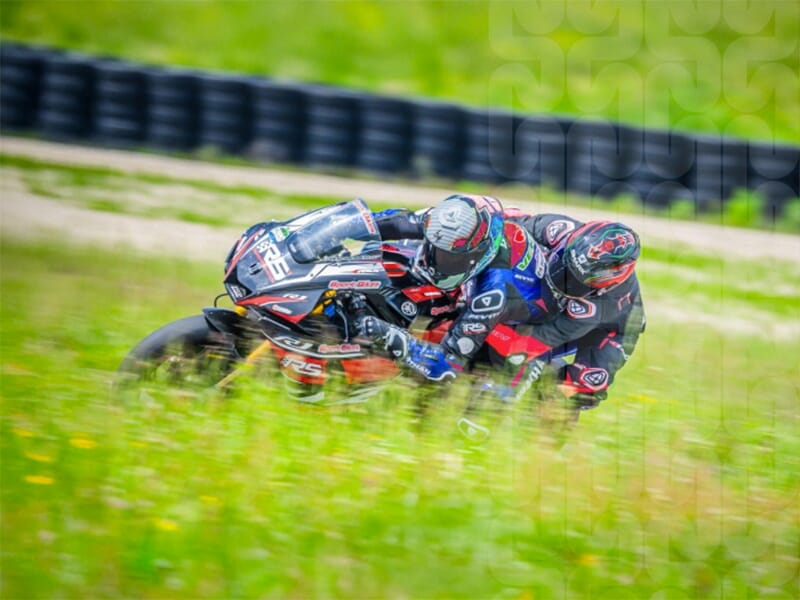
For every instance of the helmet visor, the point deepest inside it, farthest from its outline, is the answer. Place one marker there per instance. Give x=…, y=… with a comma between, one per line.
x=448, y=270
x=560, y=278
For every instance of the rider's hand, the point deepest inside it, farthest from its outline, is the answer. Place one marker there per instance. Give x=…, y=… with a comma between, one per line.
x=394, y=339
x=372, y=328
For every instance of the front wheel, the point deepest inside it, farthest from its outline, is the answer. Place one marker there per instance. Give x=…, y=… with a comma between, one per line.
x=186, y=353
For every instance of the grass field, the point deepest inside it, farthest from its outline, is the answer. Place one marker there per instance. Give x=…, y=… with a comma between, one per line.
x=729, y=67
x=683, y=484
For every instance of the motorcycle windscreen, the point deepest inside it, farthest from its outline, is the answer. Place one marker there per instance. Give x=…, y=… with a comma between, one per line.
x=339, y=232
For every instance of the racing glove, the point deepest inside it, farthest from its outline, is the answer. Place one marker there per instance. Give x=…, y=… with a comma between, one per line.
x=428, y=360
x=393, y=339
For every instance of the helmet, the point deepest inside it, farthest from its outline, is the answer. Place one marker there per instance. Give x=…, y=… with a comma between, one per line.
x=593, y=259
x=462, y=236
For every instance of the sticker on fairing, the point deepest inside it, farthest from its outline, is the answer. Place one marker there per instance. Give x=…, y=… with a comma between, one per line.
x=581, y=309
x=408, y=308
x=488, y=302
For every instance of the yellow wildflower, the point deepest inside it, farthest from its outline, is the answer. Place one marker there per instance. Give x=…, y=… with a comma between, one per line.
x=39, y=457
x=39, y=479
x=587, y=560
x=165, y=524
x=83, y=443
x=22, y=432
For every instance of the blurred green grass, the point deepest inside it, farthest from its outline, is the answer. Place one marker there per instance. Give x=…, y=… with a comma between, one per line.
x=728, y=67
x=684, y=483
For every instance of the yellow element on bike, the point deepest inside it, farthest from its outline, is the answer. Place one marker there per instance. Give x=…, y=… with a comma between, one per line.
x=251, y=360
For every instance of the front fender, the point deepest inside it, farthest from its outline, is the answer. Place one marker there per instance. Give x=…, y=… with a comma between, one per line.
x=225, y=320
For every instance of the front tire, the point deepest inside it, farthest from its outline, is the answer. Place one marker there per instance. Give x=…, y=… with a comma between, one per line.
x=186, y=353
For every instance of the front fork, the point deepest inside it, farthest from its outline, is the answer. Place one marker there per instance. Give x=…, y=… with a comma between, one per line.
x=234, y=323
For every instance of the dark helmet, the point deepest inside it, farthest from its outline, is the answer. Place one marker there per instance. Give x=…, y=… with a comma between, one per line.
x=462, y=236
x=593, y=259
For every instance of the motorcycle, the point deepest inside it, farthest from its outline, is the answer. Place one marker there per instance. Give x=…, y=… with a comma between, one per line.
x=298, y=288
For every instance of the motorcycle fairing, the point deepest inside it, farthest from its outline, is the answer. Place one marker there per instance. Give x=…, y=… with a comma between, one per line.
x=285, y=267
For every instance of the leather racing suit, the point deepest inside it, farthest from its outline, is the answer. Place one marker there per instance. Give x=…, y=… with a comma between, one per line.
x=603, y=327
x=508, y=292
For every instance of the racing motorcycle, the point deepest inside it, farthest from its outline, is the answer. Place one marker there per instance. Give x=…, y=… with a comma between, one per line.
x=298, y=288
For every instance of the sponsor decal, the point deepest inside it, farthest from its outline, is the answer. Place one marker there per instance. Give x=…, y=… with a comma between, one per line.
x=422, y=293
x=595, y=378
x=541, y=262
x=578, y=261
x=581, y=309
x=369, y=222
x=526, y=260
x=271, y=258
x=280, y=233
x=556, y=229
x=440, y=310
x=326, y=351
x=525, y=278
x=359, y=284
x=488, y=302
x=408, y=308
x=338, y=348
x=285, y=340
x=474, y=328
x=302, y=367
x=449, y=218
x=236, y=291
x=535, y=369
x=279, y=309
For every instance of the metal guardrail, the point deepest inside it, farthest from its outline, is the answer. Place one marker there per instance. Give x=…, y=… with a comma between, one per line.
x=74, y=97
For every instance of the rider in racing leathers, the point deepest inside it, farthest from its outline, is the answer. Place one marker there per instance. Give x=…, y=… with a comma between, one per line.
x=590, y=296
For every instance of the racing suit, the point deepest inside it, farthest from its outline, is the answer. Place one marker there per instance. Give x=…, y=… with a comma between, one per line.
x=508, y=292
x=511, y=311
x=603, y=327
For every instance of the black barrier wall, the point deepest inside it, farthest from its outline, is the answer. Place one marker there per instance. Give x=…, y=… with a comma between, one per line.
x=73, y=97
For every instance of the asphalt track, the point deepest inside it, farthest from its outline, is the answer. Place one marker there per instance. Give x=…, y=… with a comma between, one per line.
x=20, y=209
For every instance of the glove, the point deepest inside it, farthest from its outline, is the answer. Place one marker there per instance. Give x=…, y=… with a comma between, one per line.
x=394, y=339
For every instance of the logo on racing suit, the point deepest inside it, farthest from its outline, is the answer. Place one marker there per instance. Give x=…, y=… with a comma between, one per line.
x=473, y=328
x=556, y=230
x=581, y=309
x=594, y=379
x=488, y=302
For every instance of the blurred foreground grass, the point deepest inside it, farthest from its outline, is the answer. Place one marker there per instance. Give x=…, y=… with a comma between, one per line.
x=682, y=484
x=722, y=67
